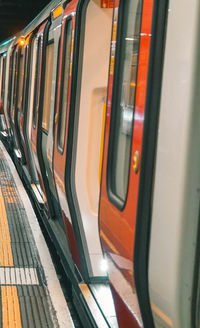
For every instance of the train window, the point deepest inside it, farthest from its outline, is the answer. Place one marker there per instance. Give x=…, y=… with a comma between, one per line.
x=10, y=79
x=47, y=86
x=12, y=82
x=20, y=81
x=14, y=89
x=3, y=77
x=122, y=112
x=36, y=83
x=24, y=78
x=65, y=84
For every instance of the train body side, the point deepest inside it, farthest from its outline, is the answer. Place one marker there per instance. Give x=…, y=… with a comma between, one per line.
x=100, y=114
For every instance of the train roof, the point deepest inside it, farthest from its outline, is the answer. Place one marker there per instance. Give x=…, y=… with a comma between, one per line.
x=44, y=14
x=6, y=44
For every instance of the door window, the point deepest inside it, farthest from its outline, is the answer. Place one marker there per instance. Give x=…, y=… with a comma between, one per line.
x=47, y=86
x=21, y=79
x=122, y=112
x=64, y=85
x=14, y=84
x=3, y=77
x=36, y=83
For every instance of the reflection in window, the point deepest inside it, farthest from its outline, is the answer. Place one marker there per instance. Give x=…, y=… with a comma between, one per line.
x=36, y=82
x=20, y=81
x=10, y=82
x=47, y=86
x=14, y=85
x=3, y=77
x=65, y=85
x=124, y=98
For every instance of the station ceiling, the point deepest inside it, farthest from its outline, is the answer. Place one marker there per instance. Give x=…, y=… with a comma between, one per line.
x=16, y=14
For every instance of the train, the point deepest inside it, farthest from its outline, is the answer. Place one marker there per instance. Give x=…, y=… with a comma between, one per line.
x=99, y=104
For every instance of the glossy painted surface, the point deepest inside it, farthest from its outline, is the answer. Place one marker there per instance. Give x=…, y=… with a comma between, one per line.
x=59, y=157
x=92, y=90
x=117, y=228
x=174, y=246
x=40, y=34
x=25, y=50
x=19, y=115
x=6, y=103
x=13, y=98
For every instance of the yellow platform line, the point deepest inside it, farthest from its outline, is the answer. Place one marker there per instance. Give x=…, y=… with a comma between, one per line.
x=6, y=258
x=10, y=307
x=11, y=317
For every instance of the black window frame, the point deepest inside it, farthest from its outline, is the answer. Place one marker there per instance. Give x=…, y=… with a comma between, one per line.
x=20, y=55
x=112, y=196
x=36, y=81
x=4, y=56
x=51, y=41
x=24, y=79
x=14, y=80
x=60, y=113
x=10, y=83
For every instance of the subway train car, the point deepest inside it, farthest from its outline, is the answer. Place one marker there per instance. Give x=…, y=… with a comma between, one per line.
x=100, y=113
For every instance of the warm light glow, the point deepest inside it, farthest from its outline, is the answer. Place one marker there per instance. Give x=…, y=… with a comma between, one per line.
x=104, y=265
x=22, y=42
x=57, y=12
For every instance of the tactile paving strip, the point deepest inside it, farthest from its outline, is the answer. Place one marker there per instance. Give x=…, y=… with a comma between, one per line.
x=24, y=297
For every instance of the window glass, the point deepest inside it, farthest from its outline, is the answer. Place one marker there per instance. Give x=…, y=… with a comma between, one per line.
x=3, y=77
x=47, y=86
x=65, y=85
x=14, y=84
x=10, y=79
x=24, y=78
x=36, y=83
x=1, y=73
x=124, y=97
x=20, y=81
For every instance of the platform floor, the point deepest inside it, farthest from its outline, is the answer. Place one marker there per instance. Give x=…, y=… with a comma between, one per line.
x=30, y=293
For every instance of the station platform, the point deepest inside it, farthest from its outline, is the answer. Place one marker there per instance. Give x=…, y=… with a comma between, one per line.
x=30, y=292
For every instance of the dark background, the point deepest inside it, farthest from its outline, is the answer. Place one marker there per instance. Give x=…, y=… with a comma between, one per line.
x=16, y=14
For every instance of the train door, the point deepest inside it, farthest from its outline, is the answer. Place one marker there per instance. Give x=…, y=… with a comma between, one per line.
x=18, y=113
x=90, y=111
x=13, y=98
x=26, y=121
x=89, y=120
x=9, y=93
x=46, y=114
x=82, y=92
x=6, y=124
x=24, y=44
x=80, y=165
x=61, y=119
x=35, y=94
x=122, y=150
x=44, y=58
